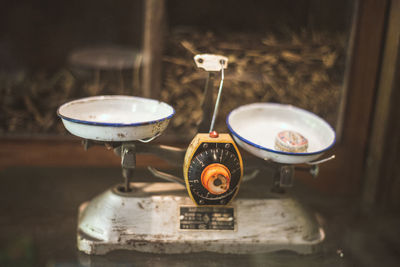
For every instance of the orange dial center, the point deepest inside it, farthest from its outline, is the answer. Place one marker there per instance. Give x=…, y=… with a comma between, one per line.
x=215, y=178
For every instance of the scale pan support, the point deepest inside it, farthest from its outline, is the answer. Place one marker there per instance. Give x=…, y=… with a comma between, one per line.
x=255, y=128
x=116, y=118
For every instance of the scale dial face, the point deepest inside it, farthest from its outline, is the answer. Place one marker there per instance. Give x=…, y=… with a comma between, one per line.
x=214, y=173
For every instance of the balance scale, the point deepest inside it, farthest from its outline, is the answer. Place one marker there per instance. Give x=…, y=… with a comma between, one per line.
x=199, y=212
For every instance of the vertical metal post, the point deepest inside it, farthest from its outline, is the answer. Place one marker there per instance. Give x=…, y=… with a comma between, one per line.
x=206, y=106
x=218, y=98
x=128, y=163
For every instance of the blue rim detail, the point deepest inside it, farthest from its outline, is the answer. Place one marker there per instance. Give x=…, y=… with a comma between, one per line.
x=275, y=151
x=115, y=124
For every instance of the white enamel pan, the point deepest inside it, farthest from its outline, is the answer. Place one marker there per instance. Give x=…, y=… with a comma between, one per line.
x=255, y=127
x=116, y=118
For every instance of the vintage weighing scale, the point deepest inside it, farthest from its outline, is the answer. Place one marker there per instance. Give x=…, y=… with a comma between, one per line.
x=198, y=213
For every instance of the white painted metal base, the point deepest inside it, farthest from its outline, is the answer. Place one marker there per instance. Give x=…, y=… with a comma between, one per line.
x=147, y=220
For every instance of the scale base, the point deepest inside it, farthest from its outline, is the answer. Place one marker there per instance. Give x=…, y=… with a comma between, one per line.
x=148, y=220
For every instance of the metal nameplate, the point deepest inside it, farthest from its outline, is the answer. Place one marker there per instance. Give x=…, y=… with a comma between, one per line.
x=206, y=218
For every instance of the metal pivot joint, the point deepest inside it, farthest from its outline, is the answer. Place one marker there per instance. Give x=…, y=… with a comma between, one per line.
x=128, y=164
x=286, y=176
x=283, y=178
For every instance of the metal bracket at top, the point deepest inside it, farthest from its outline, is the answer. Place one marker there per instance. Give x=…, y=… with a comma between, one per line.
x=210, y=62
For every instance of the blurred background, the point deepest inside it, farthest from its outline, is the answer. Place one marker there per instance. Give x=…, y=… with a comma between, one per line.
x=338, y=59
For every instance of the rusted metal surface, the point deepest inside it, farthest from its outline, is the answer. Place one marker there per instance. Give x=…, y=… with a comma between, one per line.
x=147, y=220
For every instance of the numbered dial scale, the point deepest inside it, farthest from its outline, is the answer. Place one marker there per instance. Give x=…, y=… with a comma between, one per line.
x=213, y=169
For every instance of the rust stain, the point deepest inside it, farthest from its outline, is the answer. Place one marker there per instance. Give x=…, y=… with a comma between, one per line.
x=159, y=127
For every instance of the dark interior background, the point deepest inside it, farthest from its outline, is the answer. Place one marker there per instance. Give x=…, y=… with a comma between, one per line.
x=44, y=180
x=41, y=33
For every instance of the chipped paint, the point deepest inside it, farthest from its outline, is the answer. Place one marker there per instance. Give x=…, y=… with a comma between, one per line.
x=147, y=223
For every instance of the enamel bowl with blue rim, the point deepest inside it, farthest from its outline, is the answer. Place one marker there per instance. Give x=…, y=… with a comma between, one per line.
x=255, y=128
x=116, y=118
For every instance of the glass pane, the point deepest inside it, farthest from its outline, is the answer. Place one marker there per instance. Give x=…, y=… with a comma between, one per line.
x=291, y=52
x=55, y=51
